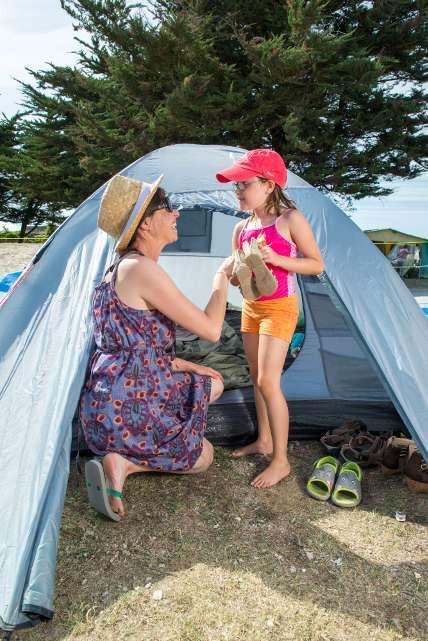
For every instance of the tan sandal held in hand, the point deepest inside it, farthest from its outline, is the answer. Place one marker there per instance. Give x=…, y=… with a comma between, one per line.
x=243, y=273
x=265, y=281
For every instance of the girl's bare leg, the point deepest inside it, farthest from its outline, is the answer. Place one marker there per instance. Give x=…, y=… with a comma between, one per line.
x=263, y=444
x=272, y=353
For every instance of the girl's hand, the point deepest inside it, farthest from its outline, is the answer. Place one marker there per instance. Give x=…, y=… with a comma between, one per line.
x=208, y=371
x=269, y=256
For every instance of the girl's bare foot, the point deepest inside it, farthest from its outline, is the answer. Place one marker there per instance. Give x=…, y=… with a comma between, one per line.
x=275, y=472
x=258, y=447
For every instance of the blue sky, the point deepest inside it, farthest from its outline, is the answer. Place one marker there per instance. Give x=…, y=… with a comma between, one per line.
x=36, y=32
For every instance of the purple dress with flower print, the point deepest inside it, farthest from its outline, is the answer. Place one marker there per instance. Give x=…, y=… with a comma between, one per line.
x=133, y=403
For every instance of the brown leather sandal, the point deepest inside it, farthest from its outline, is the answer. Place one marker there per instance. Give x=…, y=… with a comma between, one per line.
x=393, y=456
x=333, y=440
x=364, y=449
x=416, y=471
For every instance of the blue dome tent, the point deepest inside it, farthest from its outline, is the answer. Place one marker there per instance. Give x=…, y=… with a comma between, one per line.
x=365, y=350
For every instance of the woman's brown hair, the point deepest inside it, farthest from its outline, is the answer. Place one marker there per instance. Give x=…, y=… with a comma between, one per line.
x=156, y=202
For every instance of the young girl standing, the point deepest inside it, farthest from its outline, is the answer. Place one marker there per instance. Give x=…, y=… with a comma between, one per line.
x=268, y=323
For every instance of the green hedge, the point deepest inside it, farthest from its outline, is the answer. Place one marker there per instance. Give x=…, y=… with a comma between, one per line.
x=7, y=236
x=15, y=239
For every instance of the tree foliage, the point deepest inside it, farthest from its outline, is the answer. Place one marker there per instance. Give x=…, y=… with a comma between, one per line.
x=22, y=201
x=335, y=87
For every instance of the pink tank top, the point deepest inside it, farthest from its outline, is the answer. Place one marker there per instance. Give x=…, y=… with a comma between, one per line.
x=271, y=236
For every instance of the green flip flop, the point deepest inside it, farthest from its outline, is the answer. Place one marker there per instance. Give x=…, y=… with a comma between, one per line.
x=347, y=491
x=321, y=481
x=97, y=489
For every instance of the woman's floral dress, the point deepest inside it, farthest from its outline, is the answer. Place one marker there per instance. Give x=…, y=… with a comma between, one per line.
x=133, y=403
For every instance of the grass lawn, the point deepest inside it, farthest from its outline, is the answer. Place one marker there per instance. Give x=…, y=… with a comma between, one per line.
x=212, y=559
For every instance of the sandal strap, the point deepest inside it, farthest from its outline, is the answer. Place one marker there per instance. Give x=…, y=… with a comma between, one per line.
x=115, y=493
x=345, y=432
x=366, y=443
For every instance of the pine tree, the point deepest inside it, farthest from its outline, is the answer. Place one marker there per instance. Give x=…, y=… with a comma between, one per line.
x=7, y=142
x=335, y=87
x=20, y=200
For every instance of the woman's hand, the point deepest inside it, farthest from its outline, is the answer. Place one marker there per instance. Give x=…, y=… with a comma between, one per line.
x=180, y=365
x=208, y=371
x=227, y=266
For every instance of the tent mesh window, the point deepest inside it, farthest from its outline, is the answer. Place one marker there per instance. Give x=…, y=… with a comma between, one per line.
x=194, y=231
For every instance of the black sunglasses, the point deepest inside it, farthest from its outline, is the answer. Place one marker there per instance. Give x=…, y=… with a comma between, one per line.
x=164, y=203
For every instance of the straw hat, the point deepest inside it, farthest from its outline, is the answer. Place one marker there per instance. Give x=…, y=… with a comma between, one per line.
x=123, y=206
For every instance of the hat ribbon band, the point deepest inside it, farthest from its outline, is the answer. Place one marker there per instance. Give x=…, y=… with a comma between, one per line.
x=145, y=191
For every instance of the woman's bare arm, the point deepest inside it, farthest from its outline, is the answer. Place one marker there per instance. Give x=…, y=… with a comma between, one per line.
x=157, y=289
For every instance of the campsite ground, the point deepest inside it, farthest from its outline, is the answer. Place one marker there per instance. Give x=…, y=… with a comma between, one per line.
x=14, y=256
x=233, y=563
x=212, y=559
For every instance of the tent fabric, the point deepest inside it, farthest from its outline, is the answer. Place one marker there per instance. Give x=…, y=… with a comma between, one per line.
x=46, y=340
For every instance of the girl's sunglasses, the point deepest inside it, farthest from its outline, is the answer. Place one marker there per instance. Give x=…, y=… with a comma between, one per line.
x=242, y=185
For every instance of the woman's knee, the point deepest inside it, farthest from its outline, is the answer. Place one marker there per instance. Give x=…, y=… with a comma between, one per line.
x=217, y=388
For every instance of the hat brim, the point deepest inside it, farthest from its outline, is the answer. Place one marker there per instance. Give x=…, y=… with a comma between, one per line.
x=144, y=199
x=235, y=174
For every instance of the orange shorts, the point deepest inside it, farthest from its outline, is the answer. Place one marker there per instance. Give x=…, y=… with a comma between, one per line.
x=275, y=317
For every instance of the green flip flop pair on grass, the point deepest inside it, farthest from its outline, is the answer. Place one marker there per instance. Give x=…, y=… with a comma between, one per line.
x=345, y=492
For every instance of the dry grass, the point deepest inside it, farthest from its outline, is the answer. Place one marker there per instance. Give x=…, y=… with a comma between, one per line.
x=234, y=563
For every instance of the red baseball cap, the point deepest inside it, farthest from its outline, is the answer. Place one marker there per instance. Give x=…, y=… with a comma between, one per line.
x=257, y=162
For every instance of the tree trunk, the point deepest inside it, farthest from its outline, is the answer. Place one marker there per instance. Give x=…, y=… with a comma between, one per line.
x=277, y=139
x=27, y=216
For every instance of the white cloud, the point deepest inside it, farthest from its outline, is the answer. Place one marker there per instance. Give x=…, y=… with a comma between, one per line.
x=42, y=16
x=36, y=49
x=406, y=209
x=33, y=33
x=19, y=50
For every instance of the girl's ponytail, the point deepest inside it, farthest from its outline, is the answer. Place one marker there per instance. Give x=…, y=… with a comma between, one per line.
x=277, y=200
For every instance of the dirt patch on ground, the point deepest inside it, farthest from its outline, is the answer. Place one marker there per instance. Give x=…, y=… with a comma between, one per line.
x=15, y=256
x=211, y=558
